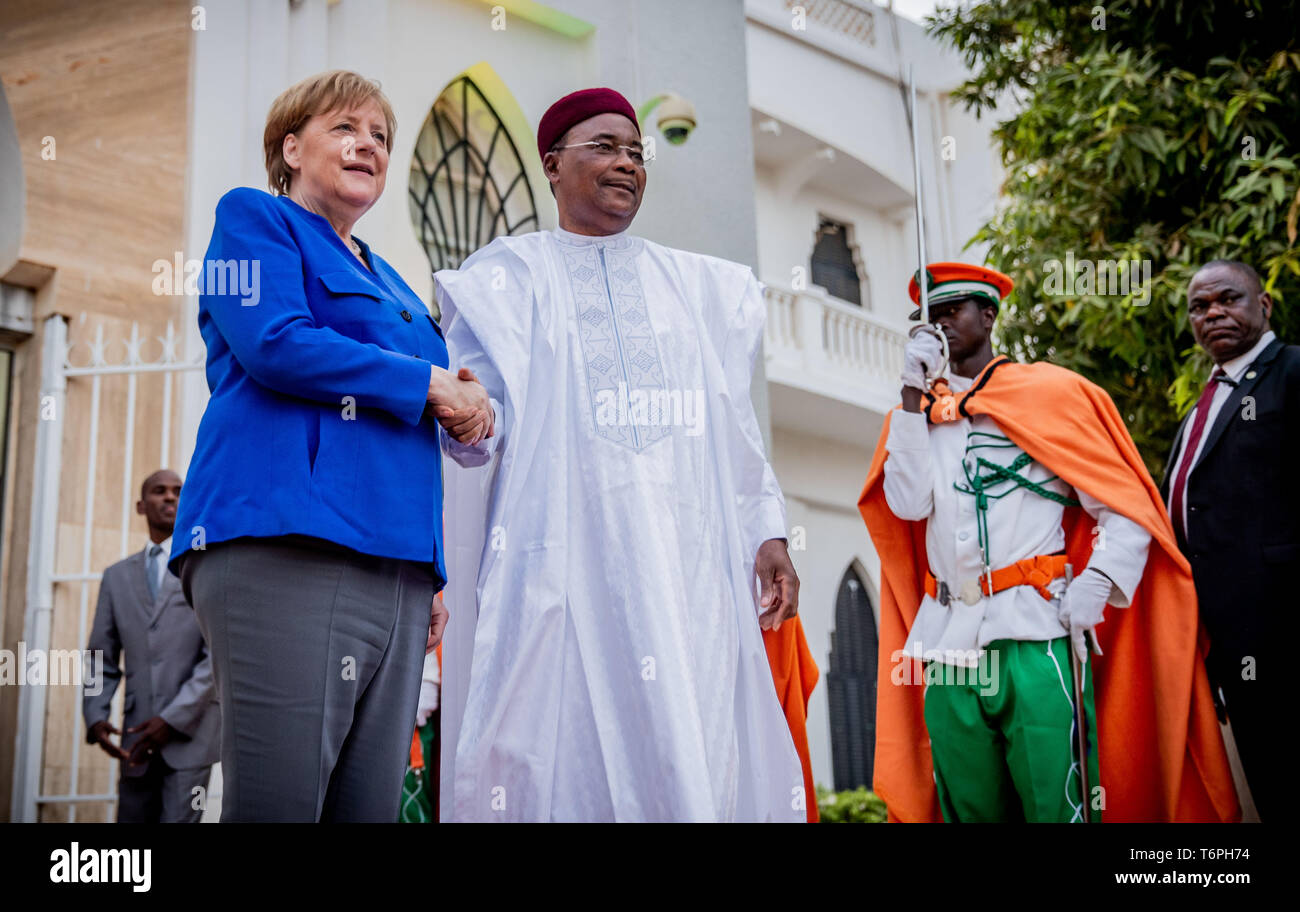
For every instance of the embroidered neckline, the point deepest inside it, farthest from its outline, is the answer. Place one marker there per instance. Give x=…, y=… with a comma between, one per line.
x=620, y=241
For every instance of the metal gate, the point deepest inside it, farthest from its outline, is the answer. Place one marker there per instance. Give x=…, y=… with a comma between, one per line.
x=63, y=568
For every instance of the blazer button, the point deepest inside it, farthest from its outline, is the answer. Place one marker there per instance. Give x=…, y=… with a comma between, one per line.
x=406, y=315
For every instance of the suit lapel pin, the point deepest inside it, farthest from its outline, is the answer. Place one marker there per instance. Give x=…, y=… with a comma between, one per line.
x=1250, y=375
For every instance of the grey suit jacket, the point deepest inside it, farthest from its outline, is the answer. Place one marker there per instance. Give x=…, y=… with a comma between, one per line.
x=168, y=670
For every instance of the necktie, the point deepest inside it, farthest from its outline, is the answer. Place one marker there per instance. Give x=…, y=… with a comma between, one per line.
x=1189, y=452
x=151, y=568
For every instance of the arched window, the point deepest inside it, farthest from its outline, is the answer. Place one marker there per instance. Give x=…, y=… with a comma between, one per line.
x=834, y=266
x=468, y=183
x=851, y=685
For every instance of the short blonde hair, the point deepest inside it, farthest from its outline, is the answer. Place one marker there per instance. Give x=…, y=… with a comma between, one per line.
x=319, y=94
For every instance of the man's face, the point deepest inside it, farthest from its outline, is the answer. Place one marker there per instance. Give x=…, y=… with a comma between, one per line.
x=158, y=501
x=599, y=185
x=1227, y=313
x=965, y=324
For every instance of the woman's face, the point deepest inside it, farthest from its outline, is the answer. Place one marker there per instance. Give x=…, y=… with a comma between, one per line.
x=340, y=158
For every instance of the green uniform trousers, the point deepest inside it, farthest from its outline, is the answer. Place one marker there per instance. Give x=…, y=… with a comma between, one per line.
x=1002, y=735
x=420, y=786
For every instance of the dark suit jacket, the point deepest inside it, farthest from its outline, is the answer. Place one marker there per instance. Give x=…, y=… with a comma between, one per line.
x=1243, y=510
x=168, y=671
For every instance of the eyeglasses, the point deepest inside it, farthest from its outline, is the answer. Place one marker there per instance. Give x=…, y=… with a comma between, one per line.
x=604, y=149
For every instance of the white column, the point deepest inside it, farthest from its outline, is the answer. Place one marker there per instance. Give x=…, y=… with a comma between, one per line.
x=48, y=467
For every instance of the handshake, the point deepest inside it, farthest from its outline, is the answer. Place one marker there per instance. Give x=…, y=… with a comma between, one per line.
x=460, y=404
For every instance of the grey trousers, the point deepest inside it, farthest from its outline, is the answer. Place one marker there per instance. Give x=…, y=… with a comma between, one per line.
x=162, y=794
x=317, y=654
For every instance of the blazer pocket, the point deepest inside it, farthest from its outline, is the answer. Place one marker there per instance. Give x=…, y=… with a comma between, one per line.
x=349, y=283
x=356, y=308
x=334, y=469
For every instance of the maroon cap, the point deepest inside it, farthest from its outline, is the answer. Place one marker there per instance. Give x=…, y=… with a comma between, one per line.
x=577, y=107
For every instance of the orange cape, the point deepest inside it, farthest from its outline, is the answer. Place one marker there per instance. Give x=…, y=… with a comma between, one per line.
x=1161, y=750
x=795, y=674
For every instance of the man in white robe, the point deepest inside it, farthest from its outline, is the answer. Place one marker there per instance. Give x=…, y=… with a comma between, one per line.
x=604, y=658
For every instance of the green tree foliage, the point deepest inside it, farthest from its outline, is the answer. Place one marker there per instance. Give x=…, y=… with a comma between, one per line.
x=1156, y=130
x=854, y=806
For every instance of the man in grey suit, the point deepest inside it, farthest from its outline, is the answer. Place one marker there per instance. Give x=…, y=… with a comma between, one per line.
x=173, y=722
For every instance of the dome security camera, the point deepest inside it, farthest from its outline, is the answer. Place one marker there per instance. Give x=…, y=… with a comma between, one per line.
x=676, y=119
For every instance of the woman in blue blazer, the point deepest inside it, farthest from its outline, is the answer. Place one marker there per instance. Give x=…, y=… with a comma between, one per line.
x=309, y=530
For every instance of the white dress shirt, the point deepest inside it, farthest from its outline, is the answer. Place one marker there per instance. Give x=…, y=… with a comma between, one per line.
x=1234, y=370
x=923, y=463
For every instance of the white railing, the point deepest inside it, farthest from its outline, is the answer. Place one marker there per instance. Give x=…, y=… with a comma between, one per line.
x=852, y=19
x=816, y=343
x=61, y=582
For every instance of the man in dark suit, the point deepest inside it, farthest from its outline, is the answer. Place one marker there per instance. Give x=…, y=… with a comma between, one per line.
x=1232, y=495
x=172, y=720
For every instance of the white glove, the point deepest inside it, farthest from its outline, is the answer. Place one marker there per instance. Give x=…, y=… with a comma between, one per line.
x=428, y=701
x=1083, y=607
x=923, y=354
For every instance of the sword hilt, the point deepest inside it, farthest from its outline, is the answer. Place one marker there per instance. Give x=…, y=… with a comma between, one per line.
x=943, y=343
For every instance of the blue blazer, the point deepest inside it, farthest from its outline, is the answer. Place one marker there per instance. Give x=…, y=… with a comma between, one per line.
x=319, y=372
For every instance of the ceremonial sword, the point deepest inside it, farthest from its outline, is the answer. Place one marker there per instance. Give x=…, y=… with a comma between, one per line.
x=1080, y=722
x=922, y=274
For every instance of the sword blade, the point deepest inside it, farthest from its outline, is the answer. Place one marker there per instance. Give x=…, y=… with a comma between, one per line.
x=920, y=207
